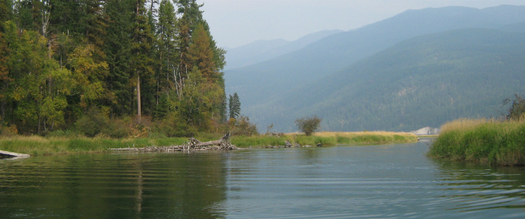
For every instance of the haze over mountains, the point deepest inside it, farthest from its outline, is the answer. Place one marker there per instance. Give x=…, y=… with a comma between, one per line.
x=263, y=50
x=419, y=68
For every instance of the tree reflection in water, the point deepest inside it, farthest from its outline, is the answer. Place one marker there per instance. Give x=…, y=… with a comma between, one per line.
x=114, y=186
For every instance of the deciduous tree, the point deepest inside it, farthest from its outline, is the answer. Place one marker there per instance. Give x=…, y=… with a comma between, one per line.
x=308, y=125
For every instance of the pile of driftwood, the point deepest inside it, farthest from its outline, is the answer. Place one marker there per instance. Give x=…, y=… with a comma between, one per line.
x=192, y=145
x=274, y=134
x=288, y=144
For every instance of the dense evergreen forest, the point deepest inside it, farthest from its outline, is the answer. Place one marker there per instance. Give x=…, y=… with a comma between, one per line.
x=124, y=66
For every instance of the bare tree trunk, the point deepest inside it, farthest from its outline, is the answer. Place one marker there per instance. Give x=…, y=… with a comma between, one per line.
x=139, y=112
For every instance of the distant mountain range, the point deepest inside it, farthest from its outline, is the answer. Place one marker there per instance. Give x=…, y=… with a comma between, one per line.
x=263, y=50
x=419, y=68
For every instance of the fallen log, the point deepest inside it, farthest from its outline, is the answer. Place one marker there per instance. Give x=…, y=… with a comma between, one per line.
x=12, y=155
x=192, y=145
x=223, y=141
x=208, y=143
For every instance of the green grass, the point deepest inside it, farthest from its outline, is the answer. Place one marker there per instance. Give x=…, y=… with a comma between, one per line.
x=257, y=141
x=36, y=145
x=326, y=139
x=67, y=143
x=483, y=141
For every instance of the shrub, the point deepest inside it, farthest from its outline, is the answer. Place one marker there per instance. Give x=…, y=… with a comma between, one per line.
x=242, y=126
x=308, y=125
x=8, y=131
x=139, y=127
x=118, y=128
x=92, y=122
x=173, y=126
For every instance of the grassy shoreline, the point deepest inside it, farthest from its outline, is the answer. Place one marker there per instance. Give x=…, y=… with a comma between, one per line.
x=36, y=145
x=483, y=141
x=327, y=139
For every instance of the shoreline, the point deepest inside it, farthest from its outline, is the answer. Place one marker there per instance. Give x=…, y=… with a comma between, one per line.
x=492, y=142
x=41, y=146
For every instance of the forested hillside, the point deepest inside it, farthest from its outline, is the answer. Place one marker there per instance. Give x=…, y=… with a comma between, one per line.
x=425, y=81
x=65, y=64
x=265, y=81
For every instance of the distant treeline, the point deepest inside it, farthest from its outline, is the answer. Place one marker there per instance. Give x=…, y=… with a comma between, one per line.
x=101, y=64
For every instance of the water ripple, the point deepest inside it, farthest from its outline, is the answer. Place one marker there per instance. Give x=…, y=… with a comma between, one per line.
x=337, y=182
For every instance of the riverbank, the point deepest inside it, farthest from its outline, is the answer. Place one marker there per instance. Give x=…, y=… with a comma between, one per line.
x=326, y=139
x=483, y=141
x=37, y=145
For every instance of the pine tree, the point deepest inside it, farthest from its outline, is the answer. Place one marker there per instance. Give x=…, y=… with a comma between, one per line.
x=140, y=51
x=235, y=106
x=191, y=16
x=167, y=53
x=66, y=16
x=201, y=54
x=6, y=12
x=117, y=47
x=23, y=15
x=90, y=58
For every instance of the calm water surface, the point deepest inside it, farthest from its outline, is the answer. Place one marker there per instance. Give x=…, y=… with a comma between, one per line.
x=386, y=181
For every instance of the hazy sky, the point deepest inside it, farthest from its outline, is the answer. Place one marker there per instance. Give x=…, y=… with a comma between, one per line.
x=235, y=23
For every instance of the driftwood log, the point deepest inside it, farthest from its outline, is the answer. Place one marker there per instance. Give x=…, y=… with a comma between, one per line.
x=12, y=155
x=192, y=145
x=223, y=142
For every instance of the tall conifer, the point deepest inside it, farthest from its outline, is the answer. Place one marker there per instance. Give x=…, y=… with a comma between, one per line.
x=117, y=48
x=140, y=50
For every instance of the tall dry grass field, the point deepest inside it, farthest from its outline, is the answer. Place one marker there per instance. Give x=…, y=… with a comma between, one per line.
x=376, y=137
x=482, y=140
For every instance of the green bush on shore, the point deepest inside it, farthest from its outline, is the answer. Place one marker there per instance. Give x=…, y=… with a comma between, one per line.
x=484, y=141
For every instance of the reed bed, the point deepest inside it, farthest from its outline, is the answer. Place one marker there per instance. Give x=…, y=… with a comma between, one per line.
x=481, y=140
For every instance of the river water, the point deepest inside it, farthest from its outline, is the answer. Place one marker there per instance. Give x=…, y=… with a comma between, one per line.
x=383, y=181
